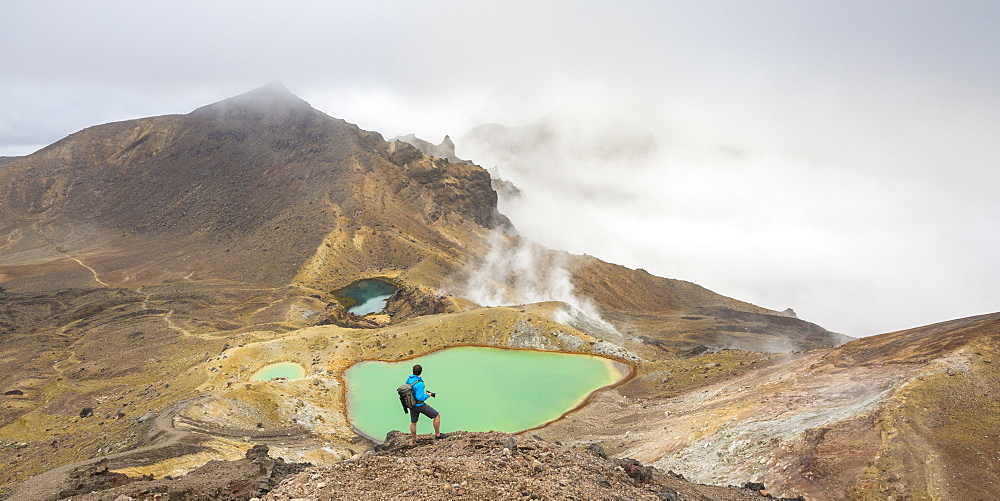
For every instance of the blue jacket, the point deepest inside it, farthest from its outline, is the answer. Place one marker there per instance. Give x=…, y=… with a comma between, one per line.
x=418, y=389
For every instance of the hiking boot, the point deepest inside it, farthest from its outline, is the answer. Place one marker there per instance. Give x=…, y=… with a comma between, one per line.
x=440, y=436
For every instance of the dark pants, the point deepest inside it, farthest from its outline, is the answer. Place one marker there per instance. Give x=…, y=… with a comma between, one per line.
x=425, y=409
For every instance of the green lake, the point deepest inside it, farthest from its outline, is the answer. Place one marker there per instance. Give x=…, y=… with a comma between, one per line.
x=479, y=389
x=287, y=370
x=369, y=295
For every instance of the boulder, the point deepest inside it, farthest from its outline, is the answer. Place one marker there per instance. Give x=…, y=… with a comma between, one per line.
x=597, y=450
x=510, y=443
x=634, y=469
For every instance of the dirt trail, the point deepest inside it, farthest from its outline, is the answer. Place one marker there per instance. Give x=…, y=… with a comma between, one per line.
x=60, y=250
x=92, y=271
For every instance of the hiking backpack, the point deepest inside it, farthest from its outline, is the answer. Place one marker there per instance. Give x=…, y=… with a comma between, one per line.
x=406, y=397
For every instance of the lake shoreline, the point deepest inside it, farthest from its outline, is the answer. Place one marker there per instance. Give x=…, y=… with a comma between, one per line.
x=505, y=385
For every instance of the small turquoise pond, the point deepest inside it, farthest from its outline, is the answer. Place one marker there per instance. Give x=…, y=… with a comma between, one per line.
x=479, y=389
x=287, y=370
x=369, y=295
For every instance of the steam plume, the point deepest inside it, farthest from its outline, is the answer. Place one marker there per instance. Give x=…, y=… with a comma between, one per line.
x=517, y=271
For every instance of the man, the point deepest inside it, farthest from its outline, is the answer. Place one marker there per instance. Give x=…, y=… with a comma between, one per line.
x=421, y=407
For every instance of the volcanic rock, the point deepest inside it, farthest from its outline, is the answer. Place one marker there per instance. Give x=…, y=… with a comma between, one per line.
x=474, y=466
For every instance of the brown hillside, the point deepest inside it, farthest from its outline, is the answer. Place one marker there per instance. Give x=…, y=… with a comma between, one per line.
x=666, y=312
x=260, y=178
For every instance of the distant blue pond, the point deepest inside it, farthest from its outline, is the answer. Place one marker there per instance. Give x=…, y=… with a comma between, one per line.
x=369, y=295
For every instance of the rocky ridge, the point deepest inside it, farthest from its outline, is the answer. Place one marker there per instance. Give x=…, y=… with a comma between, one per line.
x=491, y=465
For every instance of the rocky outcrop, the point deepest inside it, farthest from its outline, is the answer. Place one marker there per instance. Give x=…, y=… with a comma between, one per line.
x=401, y=153
x=445, y=150
x=464, y=188
x=492, y=465
x=612, y=350
x=528, y=336
x=409, y=301
x=95, y=477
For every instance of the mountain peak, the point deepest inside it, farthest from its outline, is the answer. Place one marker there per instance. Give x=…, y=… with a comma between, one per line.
x=271, y=98
x=274, y=86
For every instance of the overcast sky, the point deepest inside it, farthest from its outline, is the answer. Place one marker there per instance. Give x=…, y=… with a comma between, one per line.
x=840, y=158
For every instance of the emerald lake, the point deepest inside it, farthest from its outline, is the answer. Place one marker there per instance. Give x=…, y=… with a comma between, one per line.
x=369, y=295
x=287, y=370
x=478, y=389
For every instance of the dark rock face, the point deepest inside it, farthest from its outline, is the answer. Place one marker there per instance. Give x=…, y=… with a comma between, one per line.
x=86, y=412
x=14, y=392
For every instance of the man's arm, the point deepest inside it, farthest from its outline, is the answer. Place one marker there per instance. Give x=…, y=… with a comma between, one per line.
x=420, y=392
